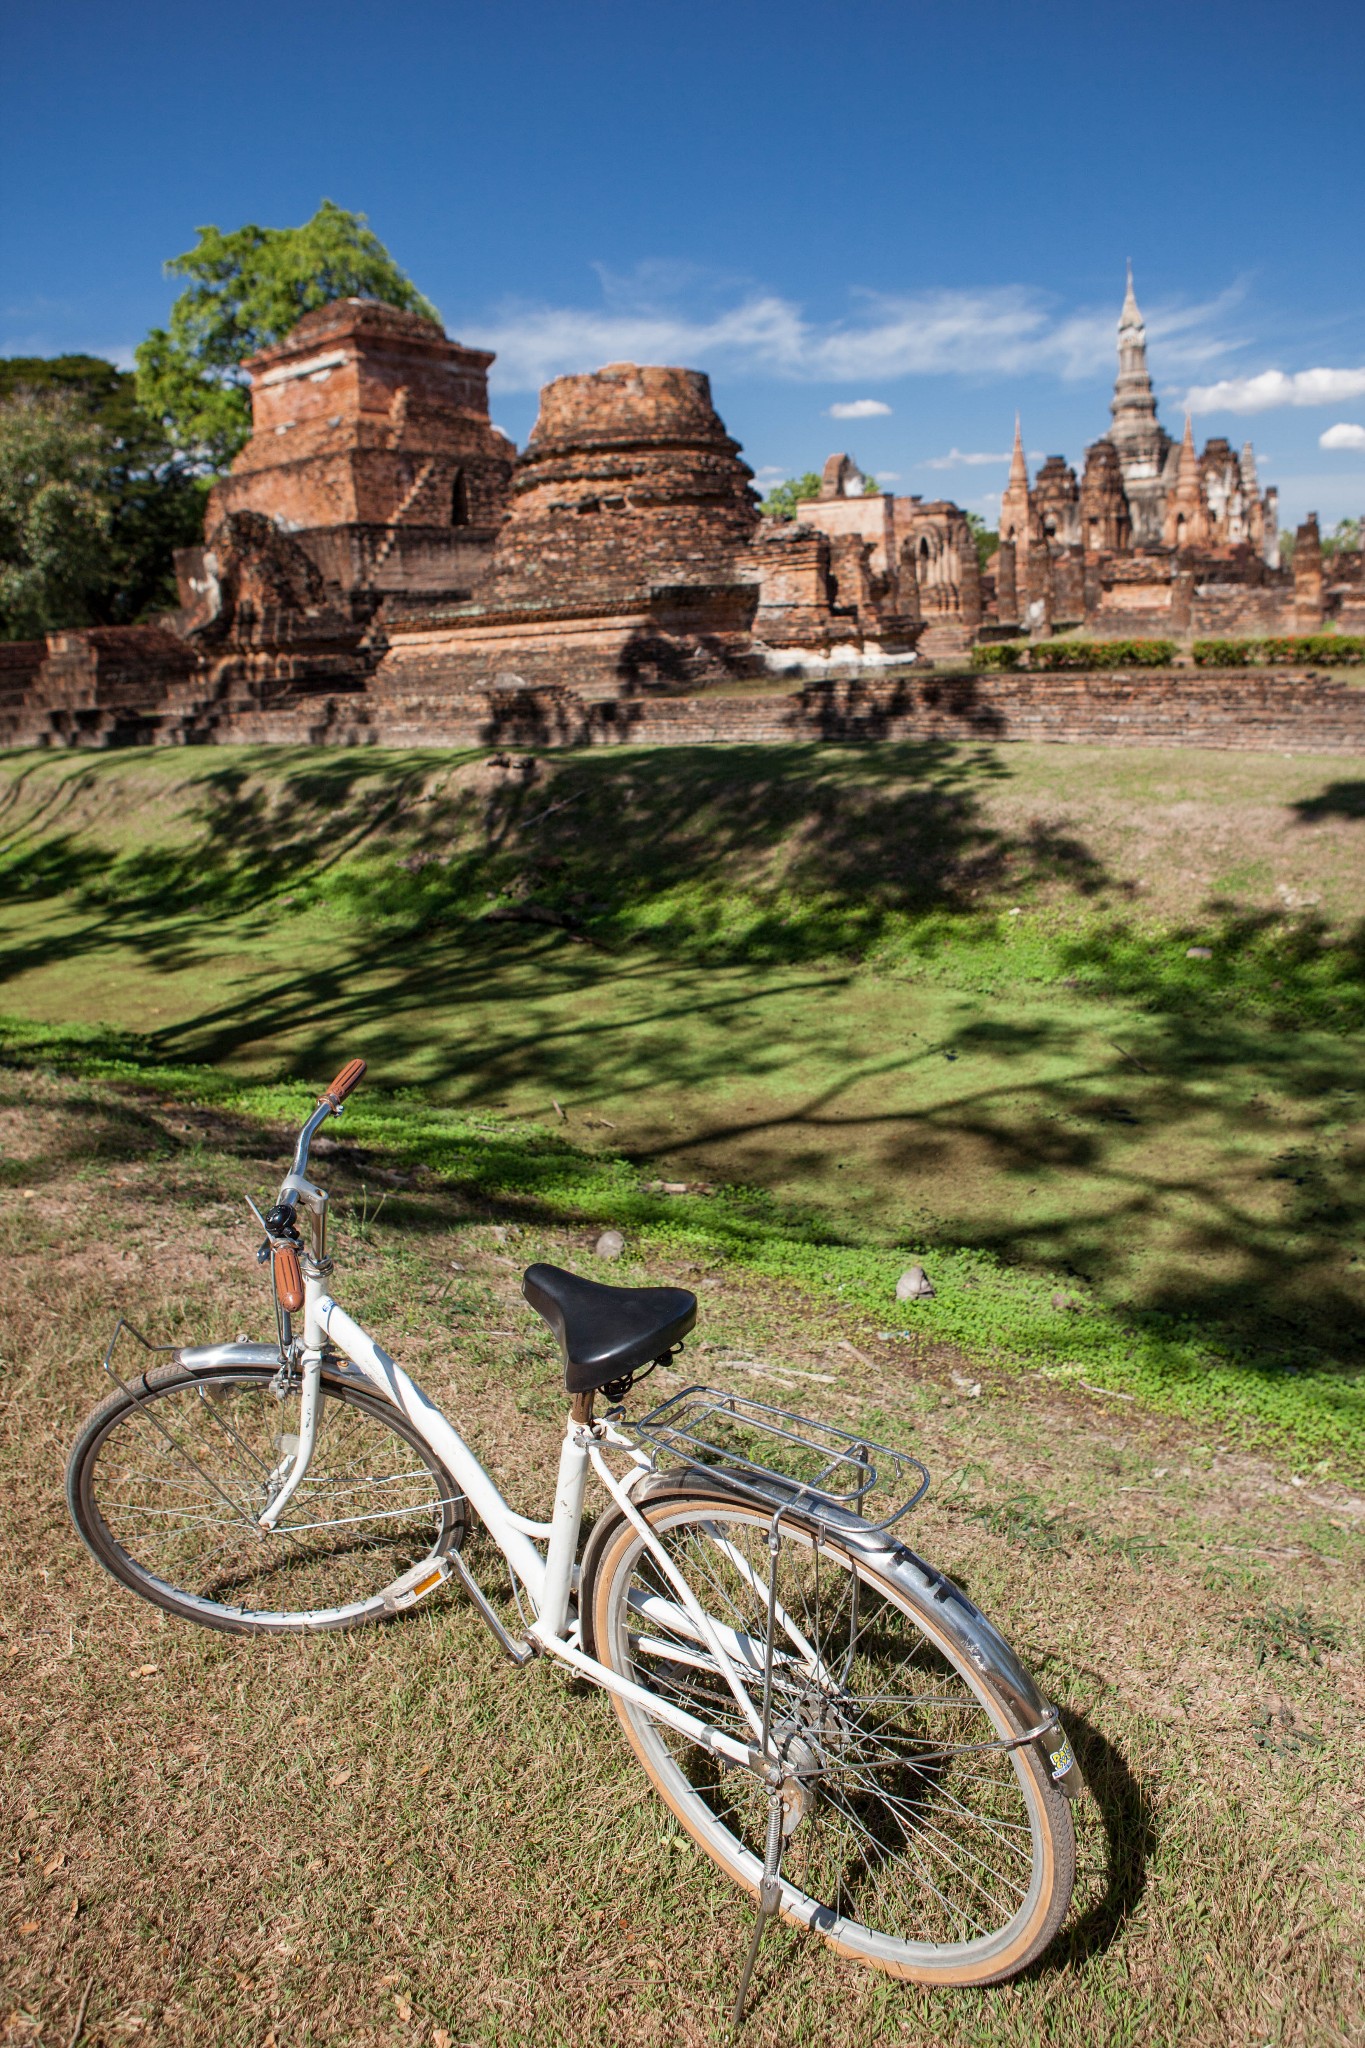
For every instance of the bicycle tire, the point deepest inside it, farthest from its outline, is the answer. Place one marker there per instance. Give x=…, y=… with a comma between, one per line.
x=920, y=1931
x=215, y=1471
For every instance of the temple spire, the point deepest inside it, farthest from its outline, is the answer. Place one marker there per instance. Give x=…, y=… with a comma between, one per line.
x=1185, y=524
x=1130, y=316
x=1015, y=513
x=1136, y=431
x=1018, y=466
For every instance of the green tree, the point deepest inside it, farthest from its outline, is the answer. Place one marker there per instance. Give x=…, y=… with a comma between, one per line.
x=246, y=290
x=153, y=498
x=782, y=500
x=986, y=538
x=54, y=519
x=1344, y=538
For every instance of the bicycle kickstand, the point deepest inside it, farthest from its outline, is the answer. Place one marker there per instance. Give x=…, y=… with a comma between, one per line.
x=769, y=1898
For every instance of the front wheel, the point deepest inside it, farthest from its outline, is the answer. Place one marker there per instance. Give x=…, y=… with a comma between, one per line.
x=166, y=1484
x=924, y=1846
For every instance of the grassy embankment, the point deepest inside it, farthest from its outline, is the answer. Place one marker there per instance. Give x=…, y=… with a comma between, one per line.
x=864, y=1004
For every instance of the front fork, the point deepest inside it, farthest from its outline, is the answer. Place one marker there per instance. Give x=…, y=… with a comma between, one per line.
x=294, y=1470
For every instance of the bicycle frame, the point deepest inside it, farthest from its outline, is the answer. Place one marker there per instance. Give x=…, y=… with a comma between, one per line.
x=548, y=1578
x=542, y=1556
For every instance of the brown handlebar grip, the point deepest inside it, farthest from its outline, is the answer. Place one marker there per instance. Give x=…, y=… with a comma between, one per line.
x=288, y=1279
x=343, y=1084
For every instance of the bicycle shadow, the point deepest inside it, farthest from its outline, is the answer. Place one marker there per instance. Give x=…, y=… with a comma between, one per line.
x=1129, y=1821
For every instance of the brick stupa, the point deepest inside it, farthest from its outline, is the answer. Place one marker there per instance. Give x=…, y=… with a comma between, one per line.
x=635, y=560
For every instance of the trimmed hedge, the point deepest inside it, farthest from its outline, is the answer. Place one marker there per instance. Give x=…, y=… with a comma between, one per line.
x=1102, y=654
x=1074, y=654
x=1336, y=649
x=998, y=654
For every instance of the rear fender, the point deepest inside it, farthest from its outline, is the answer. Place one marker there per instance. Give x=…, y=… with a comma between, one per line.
x=980, y=1642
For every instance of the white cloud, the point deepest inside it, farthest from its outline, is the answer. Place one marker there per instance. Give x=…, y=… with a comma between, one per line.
x=1272, y=388
x=651, y=316
x=888, y=476
x=859, y=409
x=957, y=458
x=1343, y=435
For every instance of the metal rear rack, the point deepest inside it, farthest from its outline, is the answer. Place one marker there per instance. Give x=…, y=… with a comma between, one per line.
x=774, y=1457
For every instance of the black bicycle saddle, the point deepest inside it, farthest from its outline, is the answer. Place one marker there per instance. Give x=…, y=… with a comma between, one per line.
x=607, y=1333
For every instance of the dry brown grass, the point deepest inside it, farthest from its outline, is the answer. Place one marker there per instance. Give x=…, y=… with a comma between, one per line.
x=392, y=1837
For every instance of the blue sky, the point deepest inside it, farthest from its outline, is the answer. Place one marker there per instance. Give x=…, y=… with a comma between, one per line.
x=922, y=208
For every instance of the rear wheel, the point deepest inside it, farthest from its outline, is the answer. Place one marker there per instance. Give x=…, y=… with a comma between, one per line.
x=924, y=1847
x=166, y=1487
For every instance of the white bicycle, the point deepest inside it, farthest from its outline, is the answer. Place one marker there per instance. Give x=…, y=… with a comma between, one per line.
x=825, y=1713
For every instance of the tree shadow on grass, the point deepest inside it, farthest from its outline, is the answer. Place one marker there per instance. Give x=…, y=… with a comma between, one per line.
x=1338, y=800
x=711, y=876
x=827, y=847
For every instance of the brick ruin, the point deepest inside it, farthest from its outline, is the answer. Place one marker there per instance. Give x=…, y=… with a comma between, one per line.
x=381, y=564
x=927, y=551
x=634, y=561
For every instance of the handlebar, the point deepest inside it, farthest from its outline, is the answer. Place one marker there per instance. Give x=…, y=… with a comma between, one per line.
x=281, y=1227
x=329, y=1104
x=342, y=1086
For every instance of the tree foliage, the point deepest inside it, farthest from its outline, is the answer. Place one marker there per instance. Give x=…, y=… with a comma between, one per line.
x=783, y=499
x=245, y=290
x=986, y=538
x=54, y=520
x=95, y=498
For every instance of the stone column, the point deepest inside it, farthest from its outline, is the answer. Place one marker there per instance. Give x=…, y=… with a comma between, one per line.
x=1006, y=587
x=1039, y=585
x=969, y=582
x=1308, y=612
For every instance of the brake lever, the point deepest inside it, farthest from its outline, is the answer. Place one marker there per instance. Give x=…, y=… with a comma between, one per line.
x=264, y=1253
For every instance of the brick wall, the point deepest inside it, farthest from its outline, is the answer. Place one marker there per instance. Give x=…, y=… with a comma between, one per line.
x=102, y=689
x=1209, y=710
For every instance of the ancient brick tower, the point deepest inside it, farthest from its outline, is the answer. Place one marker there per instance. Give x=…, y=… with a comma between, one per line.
x=634, y=562
x=1144, y=447
x=371, y=446
x=1015, y=511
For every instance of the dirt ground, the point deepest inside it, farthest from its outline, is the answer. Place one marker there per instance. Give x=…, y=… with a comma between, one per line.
x=393, y=1837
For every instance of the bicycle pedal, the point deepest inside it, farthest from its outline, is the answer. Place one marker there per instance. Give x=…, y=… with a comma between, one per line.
x=414, y=1585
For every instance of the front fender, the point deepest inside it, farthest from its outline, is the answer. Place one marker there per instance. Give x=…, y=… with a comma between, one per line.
x=205, y=1357
x=213, y=1357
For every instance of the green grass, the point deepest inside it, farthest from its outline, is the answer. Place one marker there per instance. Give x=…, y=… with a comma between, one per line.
x=1007, y=1316
x=904, y=1001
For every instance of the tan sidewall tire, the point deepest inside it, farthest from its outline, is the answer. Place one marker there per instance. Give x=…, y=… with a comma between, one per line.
x=1053, y=1814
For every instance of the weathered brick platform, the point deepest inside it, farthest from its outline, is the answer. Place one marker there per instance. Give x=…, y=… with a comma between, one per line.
x=1199, y=708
